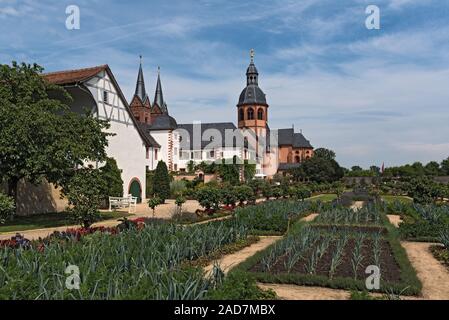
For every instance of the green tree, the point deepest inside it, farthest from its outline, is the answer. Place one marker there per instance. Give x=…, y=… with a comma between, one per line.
x=324, y=154
x=375, y=170
x=303, y=193
x=208, y=197
x=321, y=170
x=244, y=193
x=229, y=171
x=112, y=176
x=7, y=207
x=161, y=182
x=40, y=138
x=338, y=188
x=153, y=203
x=191, y=166
x=249, y=171
x=179, y=201
x=421, y=190
x=432, y=169
x=267, y=190
x=84, y=192
x=445, y=167
x=229, y=196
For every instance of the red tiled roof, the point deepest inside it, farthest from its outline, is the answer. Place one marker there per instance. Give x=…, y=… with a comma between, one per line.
x=73, y=76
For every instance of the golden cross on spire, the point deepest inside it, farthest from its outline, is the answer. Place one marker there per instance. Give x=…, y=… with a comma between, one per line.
x=251, y=54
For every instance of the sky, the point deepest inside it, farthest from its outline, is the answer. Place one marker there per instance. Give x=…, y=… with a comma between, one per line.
x=372, y=96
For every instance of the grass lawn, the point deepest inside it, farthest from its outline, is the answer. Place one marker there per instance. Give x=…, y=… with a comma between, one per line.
x=391, y=199
x=50, y=220
x=324, y=197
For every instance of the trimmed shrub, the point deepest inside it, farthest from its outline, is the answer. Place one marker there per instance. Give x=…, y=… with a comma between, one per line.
x=113, y=186
x=161, y=182
x=208, y=197
x=244, y=193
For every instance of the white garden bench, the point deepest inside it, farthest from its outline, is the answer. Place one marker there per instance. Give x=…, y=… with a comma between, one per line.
x=129, y=202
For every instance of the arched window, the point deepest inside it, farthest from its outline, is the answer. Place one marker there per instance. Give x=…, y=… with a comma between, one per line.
x=241, y=115
x=250, y=114
x=297, y=159
x=260, y=114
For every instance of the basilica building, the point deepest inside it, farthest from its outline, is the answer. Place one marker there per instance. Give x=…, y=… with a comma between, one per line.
x=144, y=131
x=271, y=150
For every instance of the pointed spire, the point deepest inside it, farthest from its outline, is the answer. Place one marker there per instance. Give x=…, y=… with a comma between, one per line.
x=140, y=85
x=159, y=97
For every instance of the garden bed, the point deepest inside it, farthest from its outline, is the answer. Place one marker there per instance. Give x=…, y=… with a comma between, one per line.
x=336, y=256
x=441, y=254
x=390, y=269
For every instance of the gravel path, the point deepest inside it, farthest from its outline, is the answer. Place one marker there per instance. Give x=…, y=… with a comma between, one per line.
x=164, y=211
x=295, y=292
x=229, y=261
x=394, y=219
x=433, y=275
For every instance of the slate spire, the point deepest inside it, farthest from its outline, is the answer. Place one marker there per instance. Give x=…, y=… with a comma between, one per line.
x=159, y=96
x=140, y=85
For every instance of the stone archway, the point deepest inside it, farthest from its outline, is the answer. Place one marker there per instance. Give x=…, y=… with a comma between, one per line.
x=135, y=189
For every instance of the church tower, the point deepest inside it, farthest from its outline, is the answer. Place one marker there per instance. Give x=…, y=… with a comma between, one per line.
x=252, y=109
x=140, y=103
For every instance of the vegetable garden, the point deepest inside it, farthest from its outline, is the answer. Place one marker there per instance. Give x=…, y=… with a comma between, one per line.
x=335, y=251
x=144, y=263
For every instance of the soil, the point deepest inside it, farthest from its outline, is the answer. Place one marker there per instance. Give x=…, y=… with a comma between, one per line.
x=390, y=270
x=433, y=275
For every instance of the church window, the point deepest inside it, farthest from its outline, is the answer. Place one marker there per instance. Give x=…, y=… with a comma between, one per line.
x=155, y=154
x=260, y=114
x=105, y=97
x=297, y=159
x=241, y=115
x=250, y=114
x=212, y=154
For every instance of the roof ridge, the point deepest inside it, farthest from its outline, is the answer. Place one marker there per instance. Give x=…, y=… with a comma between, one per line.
x=103, y=66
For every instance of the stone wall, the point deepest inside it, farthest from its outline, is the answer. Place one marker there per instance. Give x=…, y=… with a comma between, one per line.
x=43, y=198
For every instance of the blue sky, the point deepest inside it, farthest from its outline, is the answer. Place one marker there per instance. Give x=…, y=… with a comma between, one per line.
x=373, y=96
